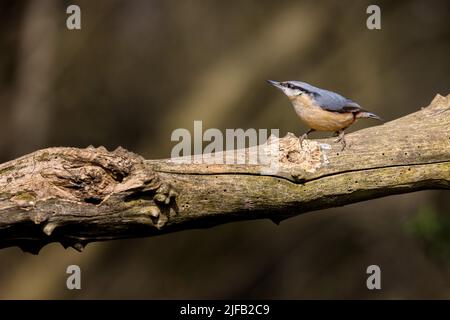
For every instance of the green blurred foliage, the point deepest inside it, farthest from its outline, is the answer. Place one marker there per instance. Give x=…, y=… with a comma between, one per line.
x=433, y=229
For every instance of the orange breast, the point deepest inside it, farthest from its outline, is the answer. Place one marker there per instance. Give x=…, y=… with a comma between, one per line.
x=319, y=119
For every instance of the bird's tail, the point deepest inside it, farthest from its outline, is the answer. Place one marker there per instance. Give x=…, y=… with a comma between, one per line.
x=367, y=114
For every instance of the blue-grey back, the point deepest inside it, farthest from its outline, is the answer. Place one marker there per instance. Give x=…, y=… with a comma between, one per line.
x=328, y=100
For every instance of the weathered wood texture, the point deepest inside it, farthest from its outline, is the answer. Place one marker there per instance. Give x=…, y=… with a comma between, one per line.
x=76, y=196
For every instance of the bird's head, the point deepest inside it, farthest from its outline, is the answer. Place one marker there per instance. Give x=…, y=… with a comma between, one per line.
x=293, y=89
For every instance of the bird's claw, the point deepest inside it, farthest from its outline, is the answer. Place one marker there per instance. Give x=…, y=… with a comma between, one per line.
x=341, y=139
x=301, y=138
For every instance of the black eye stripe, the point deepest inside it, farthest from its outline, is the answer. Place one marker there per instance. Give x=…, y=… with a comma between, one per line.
x=291, y=86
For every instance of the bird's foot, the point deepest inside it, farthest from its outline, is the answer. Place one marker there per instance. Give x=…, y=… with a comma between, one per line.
x=341, y=139
x=301, y=138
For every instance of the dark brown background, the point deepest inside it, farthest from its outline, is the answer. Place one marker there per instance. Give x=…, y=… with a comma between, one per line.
x=139, y=69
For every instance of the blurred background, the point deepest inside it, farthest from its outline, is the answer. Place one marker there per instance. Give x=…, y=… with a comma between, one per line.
x=139, y=69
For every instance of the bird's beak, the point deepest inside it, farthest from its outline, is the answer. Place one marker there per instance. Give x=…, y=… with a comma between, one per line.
x=276, y=84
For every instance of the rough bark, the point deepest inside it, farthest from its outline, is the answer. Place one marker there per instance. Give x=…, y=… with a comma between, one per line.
x=76, y=196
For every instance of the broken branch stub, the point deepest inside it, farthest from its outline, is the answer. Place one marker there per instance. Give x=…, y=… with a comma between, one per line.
x=75, y=196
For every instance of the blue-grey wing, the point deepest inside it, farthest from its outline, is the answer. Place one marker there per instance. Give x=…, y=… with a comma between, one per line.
x=332, y=101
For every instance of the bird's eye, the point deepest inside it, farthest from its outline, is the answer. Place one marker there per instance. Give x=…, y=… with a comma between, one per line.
x=288, y=85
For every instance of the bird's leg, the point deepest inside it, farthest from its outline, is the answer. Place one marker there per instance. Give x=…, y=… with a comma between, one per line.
x=304, y=136
x=341, y=138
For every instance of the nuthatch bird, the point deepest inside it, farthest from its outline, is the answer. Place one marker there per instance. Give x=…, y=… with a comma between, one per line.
x=322, y=110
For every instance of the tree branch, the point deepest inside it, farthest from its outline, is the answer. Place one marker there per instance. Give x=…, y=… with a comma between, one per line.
x=76, y=196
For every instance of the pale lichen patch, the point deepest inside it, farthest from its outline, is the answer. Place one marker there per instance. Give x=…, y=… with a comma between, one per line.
x=310, y=157
x=285, y=157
